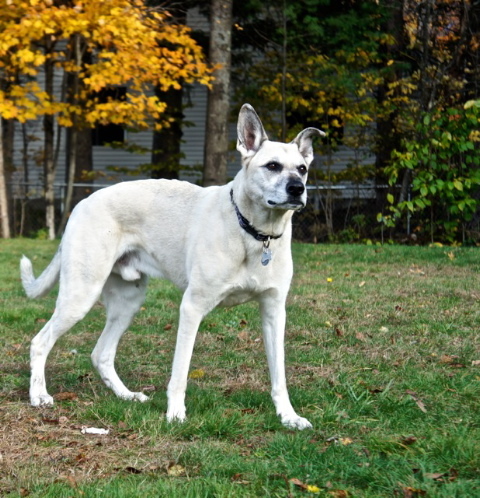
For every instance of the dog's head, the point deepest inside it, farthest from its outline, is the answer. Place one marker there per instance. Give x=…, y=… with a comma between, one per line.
x=276, y=172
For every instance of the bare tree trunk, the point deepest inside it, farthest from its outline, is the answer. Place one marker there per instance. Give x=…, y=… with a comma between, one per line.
x=49, y=162
x=284, y=73
x=72, y=152
x=4, y=214
x=216, y=139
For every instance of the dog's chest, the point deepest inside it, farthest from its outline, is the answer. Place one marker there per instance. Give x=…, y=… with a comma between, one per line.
x=247, y=286
x=242, y=291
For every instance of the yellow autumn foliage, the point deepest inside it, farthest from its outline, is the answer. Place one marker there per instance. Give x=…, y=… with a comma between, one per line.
x=123, y=43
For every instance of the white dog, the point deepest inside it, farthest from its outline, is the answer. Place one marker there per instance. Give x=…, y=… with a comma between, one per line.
x=221, y=245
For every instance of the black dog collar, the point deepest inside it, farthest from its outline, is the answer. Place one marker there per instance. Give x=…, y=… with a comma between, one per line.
x=250, y=229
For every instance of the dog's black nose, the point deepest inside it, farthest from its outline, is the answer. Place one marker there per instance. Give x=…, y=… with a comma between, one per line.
x=295, y=188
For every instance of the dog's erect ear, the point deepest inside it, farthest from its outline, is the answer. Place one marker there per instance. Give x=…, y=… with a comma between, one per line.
x=250, y=131
x=304, y=142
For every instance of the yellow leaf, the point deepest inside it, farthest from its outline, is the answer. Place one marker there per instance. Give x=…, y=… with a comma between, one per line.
x=196, y=374
x=175, y=470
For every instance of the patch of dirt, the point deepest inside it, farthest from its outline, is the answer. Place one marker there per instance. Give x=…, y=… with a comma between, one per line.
x=40, y=446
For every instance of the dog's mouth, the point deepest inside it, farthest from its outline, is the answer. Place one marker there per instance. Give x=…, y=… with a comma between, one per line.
x=290, y=204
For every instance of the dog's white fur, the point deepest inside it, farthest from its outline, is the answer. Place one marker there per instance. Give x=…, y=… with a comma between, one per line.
x=121, y=235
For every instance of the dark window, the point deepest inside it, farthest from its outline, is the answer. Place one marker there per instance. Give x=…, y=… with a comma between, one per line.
x=105, y=134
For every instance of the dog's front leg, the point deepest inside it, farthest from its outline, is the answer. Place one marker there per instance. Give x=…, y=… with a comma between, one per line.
x=273, y=320
x=190, y=317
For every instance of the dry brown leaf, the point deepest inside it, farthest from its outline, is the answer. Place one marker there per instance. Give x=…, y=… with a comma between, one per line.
x=298, y=483
x=243, y=336
x=451, y=475
x=417, y=400
x=65, y=396
x=409, y=440
x=338, y=493
x=409, y=492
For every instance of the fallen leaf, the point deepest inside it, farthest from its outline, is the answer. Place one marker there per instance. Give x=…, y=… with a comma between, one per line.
x=243, y=336
x=248, y=410
x=298, y=483
x=65, y=396
x=175, y=470
x=338, y=332
x=196, y=374
x=345, y=441
x=50, y=421
x=168, y=326
x=362, y=283
x=450, y=475
x=476, y=363
x=81, y=458
x=409, y=492
x=409, y=440
x=417, y=400
x=338, y=493
x=447, y=358
x=238, y=479
x=360, y=336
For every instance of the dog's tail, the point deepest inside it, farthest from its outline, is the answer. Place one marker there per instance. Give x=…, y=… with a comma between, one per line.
x=38, y=287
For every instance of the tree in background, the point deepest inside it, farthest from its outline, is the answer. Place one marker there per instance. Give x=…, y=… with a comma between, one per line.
x=218, y=106
x=436, y=118
x=129, y=46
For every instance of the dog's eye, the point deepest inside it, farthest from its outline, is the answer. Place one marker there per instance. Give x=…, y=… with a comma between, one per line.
x=302, y=170
x=273, y=166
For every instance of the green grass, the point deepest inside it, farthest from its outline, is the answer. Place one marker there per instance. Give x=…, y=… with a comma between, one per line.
x=381, y=351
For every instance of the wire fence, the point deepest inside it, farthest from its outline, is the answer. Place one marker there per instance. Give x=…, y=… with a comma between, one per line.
x=339, y=213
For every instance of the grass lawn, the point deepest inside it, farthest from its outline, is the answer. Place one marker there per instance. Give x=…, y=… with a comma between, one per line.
x=383, y=357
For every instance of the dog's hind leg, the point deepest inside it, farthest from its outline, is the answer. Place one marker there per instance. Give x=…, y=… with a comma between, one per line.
x=122, y=300
x=71, y=308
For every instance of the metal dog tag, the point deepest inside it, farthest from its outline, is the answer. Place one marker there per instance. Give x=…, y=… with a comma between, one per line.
x=266, y=253
x=266, y=256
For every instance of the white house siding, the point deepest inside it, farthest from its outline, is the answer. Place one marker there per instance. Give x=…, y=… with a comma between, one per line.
x=35, y=146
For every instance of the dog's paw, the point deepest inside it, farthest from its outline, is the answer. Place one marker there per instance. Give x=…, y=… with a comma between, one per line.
x=41, y=400
x=140, y=397
x=131, y=396
x=178, y=416
x=297, y=422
